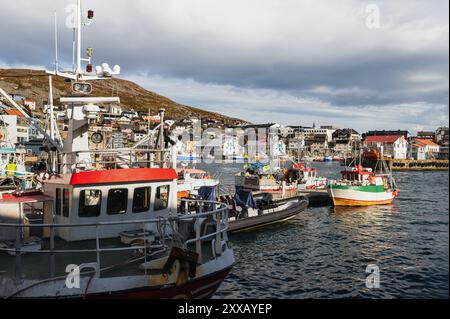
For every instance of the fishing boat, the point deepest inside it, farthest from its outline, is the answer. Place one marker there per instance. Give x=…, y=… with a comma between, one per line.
x=310, y=180
x=259, y=177
x=361, y=187
x=103, y=224
x=82, y=217
x=190, y=180
x=13, y=171
x=249, y=211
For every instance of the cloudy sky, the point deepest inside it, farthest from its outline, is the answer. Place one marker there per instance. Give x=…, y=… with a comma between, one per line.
x=288, y=61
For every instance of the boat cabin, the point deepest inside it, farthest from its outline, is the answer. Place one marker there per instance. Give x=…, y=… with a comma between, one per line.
x=110, y=196
x=309, y=173
x=357, y=174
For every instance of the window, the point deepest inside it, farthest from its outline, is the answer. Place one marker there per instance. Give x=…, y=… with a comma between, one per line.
x=90, y=203
x=117, y=201
x=162, y=198
x=141, y=200
x=66, y=205
x=58, y=202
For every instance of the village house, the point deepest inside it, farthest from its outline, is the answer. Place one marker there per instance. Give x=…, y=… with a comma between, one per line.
x=31, y=104
x=137, y=136
x=114, y=109
x=442, y=137
x=394, y=146
x=427, y=135
x=16, y=126
x=403, y=133
x=423, y=149
x=345, y=140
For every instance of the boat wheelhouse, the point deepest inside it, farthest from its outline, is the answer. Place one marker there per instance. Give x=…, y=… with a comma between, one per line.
x=110, y=196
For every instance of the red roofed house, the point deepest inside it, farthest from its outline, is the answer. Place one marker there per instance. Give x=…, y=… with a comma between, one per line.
x=394, y=146
x=31, y=104
x=13, y=112
x=422, y=149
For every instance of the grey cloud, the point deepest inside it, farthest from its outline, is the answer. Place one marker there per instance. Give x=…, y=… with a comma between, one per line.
x=308, y=49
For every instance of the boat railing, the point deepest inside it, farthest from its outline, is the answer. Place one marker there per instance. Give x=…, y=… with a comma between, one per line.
x=217, y=213
x=116, y=158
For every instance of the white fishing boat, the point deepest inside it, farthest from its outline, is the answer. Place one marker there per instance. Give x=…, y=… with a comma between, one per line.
x=310, y=180
x=190, y=180
x=108, y=221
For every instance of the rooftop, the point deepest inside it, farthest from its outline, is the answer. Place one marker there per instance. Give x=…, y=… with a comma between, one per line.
x=382, y=138
x=425, y=142
x=13, y=112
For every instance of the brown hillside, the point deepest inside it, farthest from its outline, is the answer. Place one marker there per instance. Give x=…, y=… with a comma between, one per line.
x=33, y=84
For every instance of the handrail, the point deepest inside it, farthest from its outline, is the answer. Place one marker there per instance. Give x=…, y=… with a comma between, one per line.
x=220, y=218
x=139, y=221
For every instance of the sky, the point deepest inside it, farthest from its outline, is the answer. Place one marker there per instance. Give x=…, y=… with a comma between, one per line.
x=360, y=64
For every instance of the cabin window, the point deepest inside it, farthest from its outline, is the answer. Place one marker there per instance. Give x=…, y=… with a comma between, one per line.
x=117, y=201
x=141, y=200
x=58, y=201
x=90, y=203
x=66, y=195
x=162, y=198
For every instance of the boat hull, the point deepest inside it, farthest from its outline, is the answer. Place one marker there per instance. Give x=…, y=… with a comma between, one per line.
x=250, y=223
x=208, y=279
x=356, y=197
x=201, y=288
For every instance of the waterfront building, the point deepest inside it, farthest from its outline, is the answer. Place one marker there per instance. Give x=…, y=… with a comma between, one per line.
x=427, y=135
x=345, y=140
x=423, y=149
x=442, y=136
x=394, y=146
x=137, y=136
x=403, y=133
x=16, y=126
x=232, y=147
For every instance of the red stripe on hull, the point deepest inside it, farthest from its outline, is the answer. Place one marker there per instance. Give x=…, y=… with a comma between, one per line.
x=204, y=287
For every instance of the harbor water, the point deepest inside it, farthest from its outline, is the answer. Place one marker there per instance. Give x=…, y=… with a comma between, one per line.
x=324, y=252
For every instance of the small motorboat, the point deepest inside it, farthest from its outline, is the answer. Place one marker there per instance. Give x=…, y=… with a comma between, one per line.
x=248, y=211
x=253, y=211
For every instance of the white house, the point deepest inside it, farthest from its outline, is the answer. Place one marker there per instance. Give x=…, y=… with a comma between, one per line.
x=422, y=149
x=394, y=146
x=231, y=147
x=114, y=109
x=17, y=128
x=136, y=136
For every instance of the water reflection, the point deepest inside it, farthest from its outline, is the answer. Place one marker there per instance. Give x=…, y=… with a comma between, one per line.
x=323, y=252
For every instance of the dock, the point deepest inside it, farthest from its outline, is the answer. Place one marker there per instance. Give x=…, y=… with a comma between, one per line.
x=317, y=198
x=417, y=165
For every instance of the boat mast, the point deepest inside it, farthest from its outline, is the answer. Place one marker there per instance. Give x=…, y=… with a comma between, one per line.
x=78, y=35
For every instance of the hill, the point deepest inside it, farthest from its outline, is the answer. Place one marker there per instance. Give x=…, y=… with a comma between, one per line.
x=33, y=84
